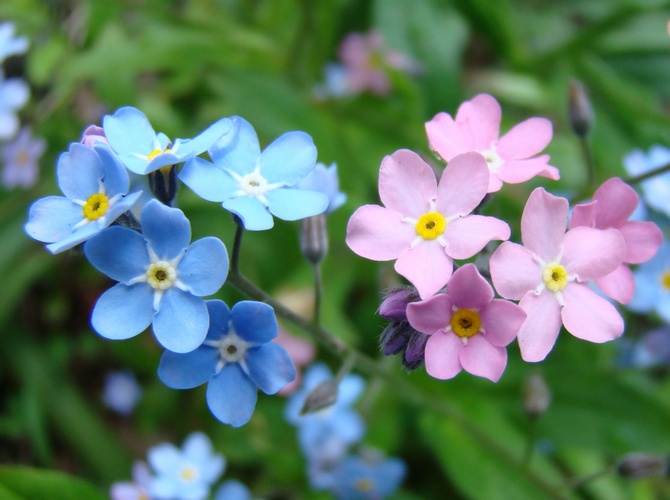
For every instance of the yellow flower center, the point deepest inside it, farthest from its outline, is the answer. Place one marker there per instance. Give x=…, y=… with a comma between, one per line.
x=365, y=485
x=555, y=276
x=465, y=322
x=431, y=225
x=157, y=152
x=161, y=275
x=22, y=158
x=188, y=473
x=96, y=206
x=665, y=280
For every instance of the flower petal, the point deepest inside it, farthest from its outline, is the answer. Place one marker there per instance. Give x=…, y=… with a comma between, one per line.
x=463, y=185
x=480, y=120
x=128, y=131
x=51, y=219
x=539, y=332
x=446, y=137
x=254, y=215
x=295, y=204
x=207, y=180
x=116, y=176
x=616, y=202
x=442, y=355
x=270, y=367
x=483, y=359
x=167, y=229
x=79, y=235
x=514, y=271
x=123, y=311
x=238, y=150
x=231, y=396
x=378, y=233
x=254, y=321
x=525, y=139
x=592, y=253
x=468, y=289
x=288, y=159
x=164, y=458
x=588, y=316
x=543, y=224
x=219, y=319
x=517, y=171
x=79, y=172
x=204, y=267
x=426, y=266
x=430, y=316
x=406, y=183
x=186, y=371
x=501, y=320
x=583, y=214
x=188, y=148
x=468, y=235
x=619, y=284
x=118, y=252
x=182, y=321
x=643, y=239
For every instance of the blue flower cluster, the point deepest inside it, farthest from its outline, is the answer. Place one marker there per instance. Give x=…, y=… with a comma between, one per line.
x=327, y=435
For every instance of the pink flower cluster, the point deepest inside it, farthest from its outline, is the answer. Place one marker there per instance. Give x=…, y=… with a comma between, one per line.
x=425, y=225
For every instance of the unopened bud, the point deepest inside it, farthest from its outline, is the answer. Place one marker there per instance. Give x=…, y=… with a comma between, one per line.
x=580, y=112
x=639, y=465
x=163, y=184
x=394, y=305
x=415, y=352
x=314, y=238
x=394, y=338
x=322, y=396
x=536, y=395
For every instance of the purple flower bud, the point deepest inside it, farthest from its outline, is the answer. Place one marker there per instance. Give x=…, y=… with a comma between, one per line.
x=536, y=395
x=394, y=338
x=314, y=238
x=92, y=135
x=415, y=351
x=580, y=111
x=640, y=465
x=322, y=396
x=394, y=305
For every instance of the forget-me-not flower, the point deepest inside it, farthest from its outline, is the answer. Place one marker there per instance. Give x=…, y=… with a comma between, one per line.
x=11, y=45
x=655, y=190
x=143, y=151
x=14, y=93
x=256, y=185
x=365, y=479
x=324, y=179
x=161, y=279
x=20, y=159
x=137, y=489
x=652, y=285
x=232, y=490
x=186, y=474
x=236, y=358
x=95, y=186
x=121, y=392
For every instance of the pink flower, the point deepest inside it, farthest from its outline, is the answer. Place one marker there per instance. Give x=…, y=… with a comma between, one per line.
x=612, y=205
x=550, y=275
x=468, y=328
x=301, y=353
x=511, y=158
x=425, y=225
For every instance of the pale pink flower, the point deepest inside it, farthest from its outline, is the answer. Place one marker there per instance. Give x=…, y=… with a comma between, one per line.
x=300, y=351
x=425, y=226
x=613, y=203
x=468, y=328
x=138, y=489
x=550, y=275
x=511, y=158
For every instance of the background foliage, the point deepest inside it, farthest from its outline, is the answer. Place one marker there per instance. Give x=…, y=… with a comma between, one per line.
x=187, y=63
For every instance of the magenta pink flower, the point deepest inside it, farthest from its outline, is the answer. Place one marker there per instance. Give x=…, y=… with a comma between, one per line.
x=612, y=205
x=511, y=158
x=468, y=328
x=425, y=225
x=550, y=275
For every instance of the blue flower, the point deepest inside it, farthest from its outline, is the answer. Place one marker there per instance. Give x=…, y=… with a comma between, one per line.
x=9, y=44
x=143, y=151
x=121, y=392
x=20, y=166
x=232, y=490
x=254, y=185
x=137, y=489
x=368, y=478
x=324, y=179
x=656, y=190
x=161, y=279
x=14, y=94
x=652, y=284
x=187, y=473
x=95, y=185
x=235, y=359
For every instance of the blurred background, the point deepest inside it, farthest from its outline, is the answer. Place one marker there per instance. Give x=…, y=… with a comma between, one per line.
x=280, y=65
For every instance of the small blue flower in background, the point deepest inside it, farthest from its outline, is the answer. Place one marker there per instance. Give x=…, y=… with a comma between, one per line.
x=335, y=84
x=20, y=159
x=368, y=478
x=143, y=151
x=9, y=44
x=656, y=190
x=95, y=185
x=652, y=285
x=137, y=489
x=236, y=358
x=324, y=179
x=232, y=490
x=188, y=473
x=14, y=93
x=256, y=185
x=161, y=279
x=121, y=392
x=652, y=349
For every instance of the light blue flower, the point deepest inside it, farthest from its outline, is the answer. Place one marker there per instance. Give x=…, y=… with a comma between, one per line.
x=9, y=44
x=14, y=93
x=324, y=179
x=186, y=474
x=368, y=478
x=656, y=190
x=137, y=489
x=232, y=490
x=651, y=349
x=254, y=185
x=335, y=84
x=143, y=151
x=235, y=359
x=20, y=159
x=121, y=392
x=161, y=279
x=652, y=285
x=95, y=185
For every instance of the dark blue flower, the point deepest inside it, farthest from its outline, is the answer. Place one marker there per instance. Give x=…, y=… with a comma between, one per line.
x=236, y=358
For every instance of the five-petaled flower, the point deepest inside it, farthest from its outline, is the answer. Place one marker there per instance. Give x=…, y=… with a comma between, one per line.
x=425, y=226
x=511, y=158
x=236, y=358
x=550, y=275
x=468, y=328
x=613, y=203
x=256, y=185
x=95, y=185
x=161, y=279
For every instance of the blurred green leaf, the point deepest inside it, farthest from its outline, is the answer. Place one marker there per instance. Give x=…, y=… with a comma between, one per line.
x=36, y=484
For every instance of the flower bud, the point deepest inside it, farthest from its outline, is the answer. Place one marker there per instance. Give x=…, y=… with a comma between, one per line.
x=580, y=111
x=415, y=352
x=394, y=338
x=314, y=238
x=163, y=184
x=536, y=395
x=640, y=465
x=394, y=305
x=322, y=396
x=93, y=134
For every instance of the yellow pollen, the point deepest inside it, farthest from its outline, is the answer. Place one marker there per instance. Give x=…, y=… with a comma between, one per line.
x=431, y=225
x=365, y=485
x=465, y=322
x=555, y=276
x=161, y=275
x=22, y=157
x=665, y=280
x=157, y=152
x=96, y=206
x=188, y=473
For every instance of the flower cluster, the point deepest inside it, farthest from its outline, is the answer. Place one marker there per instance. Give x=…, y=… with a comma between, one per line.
x=426, y=225
x=328, y=427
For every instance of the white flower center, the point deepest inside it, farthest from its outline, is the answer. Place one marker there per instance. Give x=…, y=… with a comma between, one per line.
x=161, y=275
x=231, y=348
x=254, y=184
x=493, y=159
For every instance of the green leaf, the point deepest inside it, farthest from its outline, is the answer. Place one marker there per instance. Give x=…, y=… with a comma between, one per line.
x=33, y=484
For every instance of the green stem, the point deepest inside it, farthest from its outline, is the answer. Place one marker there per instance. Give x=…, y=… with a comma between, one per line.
x=588, y=160
x=581, y=481
x=237, y=244
x=647, y=175
x=318, y=294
